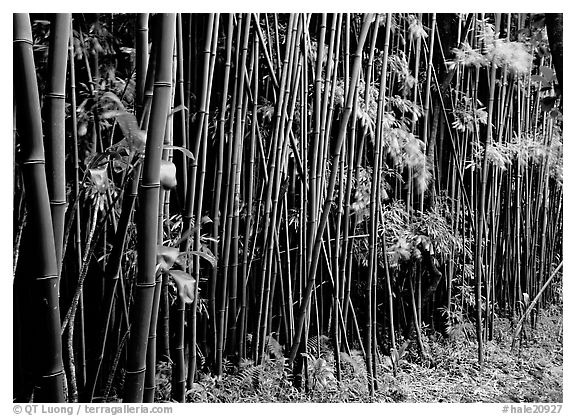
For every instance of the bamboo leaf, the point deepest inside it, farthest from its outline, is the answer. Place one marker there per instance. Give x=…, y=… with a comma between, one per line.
x=548, y=103
x=204, y=253
x=416, y=29
x=135, y=137
x=182, y=149
x=110, y=96
x=99, y=178
x=547, y=73
x=166, y=257
x=181, y=107
x=540, y=78
x=205, y=219
x=167, y=174
x=185, y=285
x=526, y=299
x=555, y=113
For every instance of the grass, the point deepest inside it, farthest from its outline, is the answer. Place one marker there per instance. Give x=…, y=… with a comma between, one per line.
x=530, y=373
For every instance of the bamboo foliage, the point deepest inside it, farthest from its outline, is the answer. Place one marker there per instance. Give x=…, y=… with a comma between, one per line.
x=341, y=182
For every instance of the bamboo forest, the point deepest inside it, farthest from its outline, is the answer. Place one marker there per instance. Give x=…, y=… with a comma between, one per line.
x=306, y=207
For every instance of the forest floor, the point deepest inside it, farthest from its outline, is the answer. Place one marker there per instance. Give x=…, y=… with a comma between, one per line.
x=530, y=373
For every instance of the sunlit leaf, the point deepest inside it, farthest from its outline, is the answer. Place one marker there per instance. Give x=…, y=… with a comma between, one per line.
x=135, y=137
x=547, y=73
x=186, y=152
x=120, y=164
x=167, y=174
x=206, y=254
x=185, y=285
x=185, y=235
x=82, y=129
x=99, y=178
x=181, y=107
x=526, y=298
x=416, y=29
x=166, y=257
x=513, y=54
x=113, y=99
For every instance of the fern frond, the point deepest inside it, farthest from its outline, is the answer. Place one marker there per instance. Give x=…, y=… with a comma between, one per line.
x=249, y=375
x=273, y=347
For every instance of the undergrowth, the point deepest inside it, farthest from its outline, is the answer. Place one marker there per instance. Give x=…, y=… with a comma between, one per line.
x=529, y=373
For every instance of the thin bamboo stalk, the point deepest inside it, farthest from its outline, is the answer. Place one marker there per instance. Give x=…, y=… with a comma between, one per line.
x=76, y=187
x=192, y=360
x=315, y=239
x=218, y=182
x=141, y=60
x=249, y=199
x=481, y=219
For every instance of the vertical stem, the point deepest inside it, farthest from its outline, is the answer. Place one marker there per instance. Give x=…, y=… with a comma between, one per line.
x=315, y=239
x=55, y=131
x=148, y=217
x=49, y=370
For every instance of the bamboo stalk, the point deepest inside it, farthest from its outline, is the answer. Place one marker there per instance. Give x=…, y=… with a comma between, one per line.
x=481, y=219
x=196, y=269
x=536, y=299
x=148, y=219
x=49, y=377
x=273, y=168
x=315, y=239
x=55, y=134
x=141, y=60
x=76, y=187
x=374, y=199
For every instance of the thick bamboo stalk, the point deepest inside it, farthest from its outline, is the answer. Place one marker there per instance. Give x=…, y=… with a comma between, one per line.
x=49, y=371
x=163, y=212
x=55, y=134
x=147, y=215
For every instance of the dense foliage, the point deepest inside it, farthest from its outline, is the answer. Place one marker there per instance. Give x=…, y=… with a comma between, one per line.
x=281, y=203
